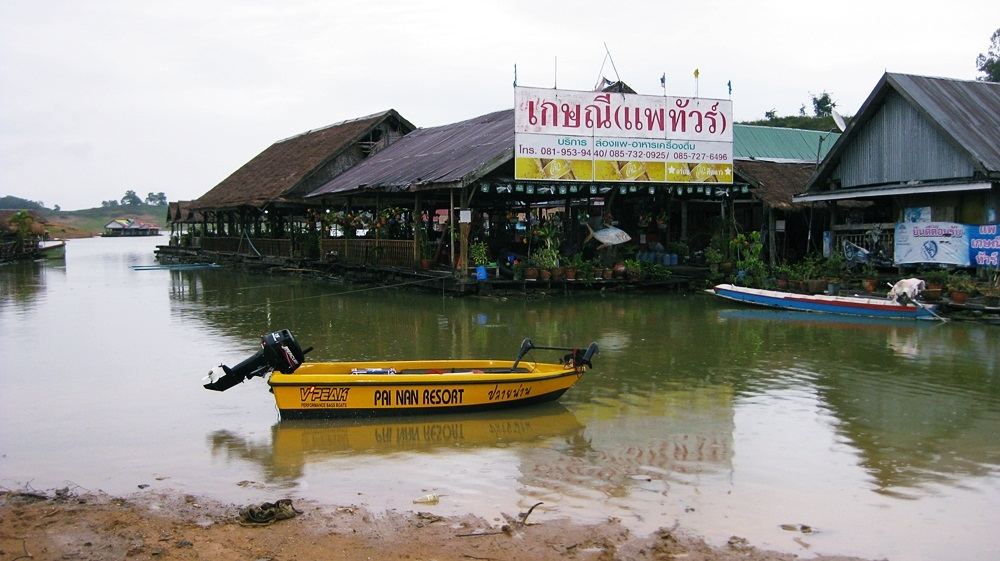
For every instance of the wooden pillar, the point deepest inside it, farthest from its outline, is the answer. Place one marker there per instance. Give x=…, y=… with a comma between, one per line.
x=684, y=220
x=463, y=234
x=419, y=235
x=451, y=227
x=772, y=246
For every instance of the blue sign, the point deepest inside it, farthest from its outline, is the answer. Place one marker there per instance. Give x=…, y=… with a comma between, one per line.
x=984, y=245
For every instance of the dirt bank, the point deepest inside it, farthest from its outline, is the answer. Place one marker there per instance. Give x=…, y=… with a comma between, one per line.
x=64, y=525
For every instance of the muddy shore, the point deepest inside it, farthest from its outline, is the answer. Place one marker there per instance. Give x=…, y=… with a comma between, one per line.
x=66, y=525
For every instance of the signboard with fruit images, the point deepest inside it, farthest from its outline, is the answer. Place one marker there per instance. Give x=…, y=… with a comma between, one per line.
x=564, y=135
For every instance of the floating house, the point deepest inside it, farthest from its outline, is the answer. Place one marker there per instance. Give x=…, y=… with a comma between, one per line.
x=263, y=199
x=371, y=191
x=920, y=149
x=127, y=227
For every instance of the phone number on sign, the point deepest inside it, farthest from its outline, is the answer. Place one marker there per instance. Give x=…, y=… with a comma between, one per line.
x=699, y=157
x=616, y=154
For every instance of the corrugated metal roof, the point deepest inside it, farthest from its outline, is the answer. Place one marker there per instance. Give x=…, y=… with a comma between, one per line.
x=965, y=112
x=278, y=170
x=437, y=156
x=752, y=142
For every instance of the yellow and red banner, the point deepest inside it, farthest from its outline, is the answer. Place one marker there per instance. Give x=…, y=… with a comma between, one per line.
x=564, y=135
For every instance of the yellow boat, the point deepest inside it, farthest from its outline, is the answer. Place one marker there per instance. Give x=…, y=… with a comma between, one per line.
x=338, y=389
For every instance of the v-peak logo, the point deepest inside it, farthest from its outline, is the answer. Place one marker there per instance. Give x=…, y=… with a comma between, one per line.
x=324, y=394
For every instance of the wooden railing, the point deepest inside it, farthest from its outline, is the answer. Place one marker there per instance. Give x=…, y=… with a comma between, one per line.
x=266, y=246
x=859, y=235
x=392, y=253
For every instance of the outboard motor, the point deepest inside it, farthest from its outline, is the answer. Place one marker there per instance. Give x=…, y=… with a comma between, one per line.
x=279, y=351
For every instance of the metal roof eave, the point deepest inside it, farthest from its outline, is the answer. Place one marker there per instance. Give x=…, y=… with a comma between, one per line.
x=893, y=190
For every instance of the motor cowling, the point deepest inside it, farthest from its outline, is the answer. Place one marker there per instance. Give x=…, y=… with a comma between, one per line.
x=279, y=351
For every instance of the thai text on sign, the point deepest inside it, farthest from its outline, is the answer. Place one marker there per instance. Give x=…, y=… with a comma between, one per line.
x=567, y=135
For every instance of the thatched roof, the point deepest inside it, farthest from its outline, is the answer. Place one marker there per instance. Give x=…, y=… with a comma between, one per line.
x=182, y=212
x=775, y=183
x=273, y=175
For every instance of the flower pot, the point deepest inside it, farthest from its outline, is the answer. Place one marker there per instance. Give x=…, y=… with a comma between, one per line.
x=991, y=301
x=481, y=272
x=958, y=296
x=782, y=284
x=544, y=274
x=570, y=273
x=869, y=285
x=816, y=286
x=557, y=273
x=619, y=269
x=531, y=273
x=832, y=287
x=425, y=264
x=930, y=294
x=607, y=274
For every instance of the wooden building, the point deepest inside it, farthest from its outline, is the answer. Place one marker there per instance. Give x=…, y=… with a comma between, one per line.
x=917, y=141
x=263, y=200
x=129, y=227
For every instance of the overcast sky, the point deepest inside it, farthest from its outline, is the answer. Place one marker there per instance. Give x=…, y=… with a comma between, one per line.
x=97, y=97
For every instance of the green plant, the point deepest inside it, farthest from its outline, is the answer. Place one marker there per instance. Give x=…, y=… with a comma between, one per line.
x=584, y=269
x=834, y=266
x=713, y=256
x=633, y=267
x=783, y=271
x=934, y=276
x=546, y=258
x=655, y=272
x=479, y=253
x=961, y=282
x=749, y=264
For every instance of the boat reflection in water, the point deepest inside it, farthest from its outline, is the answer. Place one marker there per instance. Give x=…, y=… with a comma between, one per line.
x=294, y=444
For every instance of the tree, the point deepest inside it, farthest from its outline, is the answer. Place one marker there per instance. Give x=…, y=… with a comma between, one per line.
x=823, y=104
x=110, y=204
x=989, y=62
x=156, y=199
x=131, y=199
x=771, y=115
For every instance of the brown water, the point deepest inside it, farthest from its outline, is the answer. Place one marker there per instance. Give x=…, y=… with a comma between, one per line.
x=728, y=420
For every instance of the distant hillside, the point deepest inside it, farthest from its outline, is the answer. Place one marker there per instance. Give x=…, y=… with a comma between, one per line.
x=89, y=222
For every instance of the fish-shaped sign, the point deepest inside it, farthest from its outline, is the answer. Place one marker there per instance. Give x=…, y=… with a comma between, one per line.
x=608, y=235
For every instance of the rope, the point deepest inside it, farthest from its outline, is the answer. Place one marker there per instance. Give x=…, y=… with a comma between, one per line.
x=342, y=293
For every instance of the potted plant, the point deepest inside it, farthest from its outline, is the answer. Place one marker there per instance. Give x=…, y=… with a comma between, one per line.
x=547, y=259
x=935, y=280
x=782, y=272
x=530, y=270
x=573, y=266
x=428, y=250
x=869, y=278
x=479, y=253
x=960, y=286
x=991, y=295
x=633, y=269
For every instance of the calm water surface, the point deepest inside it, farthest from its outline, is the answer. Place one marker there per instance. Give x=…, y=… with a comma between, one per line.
x=728, y=420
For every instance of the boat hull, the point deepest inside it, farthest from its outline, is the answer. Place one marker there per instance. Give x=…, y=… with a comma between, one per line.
x=842, y=305
x=54, y=249
x=327, y=390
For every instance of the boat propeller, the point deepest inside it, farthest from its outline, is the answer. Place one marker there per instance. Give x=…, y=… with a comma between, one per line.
x=279, y=351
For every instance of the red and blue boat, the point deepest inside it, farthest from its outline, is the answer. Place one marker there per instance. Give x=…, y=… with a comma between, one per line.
x=861, y=306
